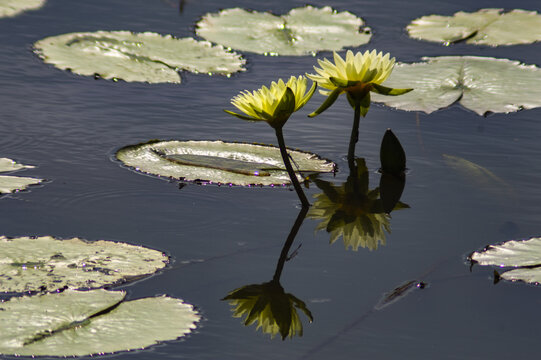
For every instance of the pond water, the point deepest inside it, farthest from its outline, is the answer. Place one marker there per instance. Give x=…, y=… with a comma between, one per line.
x=222, y=238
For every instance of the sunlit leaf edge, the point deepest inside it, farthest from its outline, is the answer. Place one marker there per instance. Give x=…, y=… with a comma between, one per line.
x=325, y=165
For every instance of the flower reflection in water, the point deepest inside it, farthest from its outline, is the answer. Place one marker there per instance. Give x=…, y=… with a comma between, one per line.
x=267, y=304
x=270, y=307
x=352, y=211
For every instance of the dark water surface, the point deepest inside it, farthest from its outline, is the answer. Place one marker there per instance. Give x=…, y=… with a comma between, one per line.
x=69, y=127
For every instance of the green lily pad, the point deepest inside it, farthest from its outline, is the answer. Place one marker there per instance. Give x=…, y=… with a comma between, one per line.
x=491, y=27
x=9, y=184
x=302, y=31
x=218, y=162
x=523, y=256
x=46, y=263
x=79, y=323
x=481, y=84
x=146, y=57
x=9, y=8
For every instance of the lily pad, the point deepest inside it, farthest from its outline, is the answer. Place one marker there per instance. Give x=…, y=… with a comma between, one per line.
x=79, y=323
x=524, y=256
x=9, y=8
x=146, y=57
x=46, y=263
x=481, y=84
x=219, y=162
x=9, y=184
x=302, y=31
x=492, y=27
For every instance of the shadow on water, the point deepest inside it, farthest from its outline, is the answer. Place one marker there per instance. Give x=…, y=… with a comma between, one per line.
x=267, y=304
x=352, y=210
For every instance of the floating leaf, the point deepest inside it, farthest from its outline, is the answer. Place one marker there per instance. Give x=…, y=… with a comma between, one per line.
x=525, y=256
x=302, y=31
x=147, y=57
x=218, y=162
x=481, y=84
x=10, y=8
x=9, y=184
x=491, y=27
x=79, y=323
x=46, y=263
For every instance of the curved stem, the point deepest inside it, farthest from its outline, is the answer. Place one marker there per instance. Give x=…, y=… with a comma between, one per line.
x=289, y=168
x=354, y=134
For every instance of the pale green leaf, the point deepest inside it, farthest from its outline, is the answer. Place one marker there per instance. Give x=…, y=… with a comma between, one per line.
x=491, y=27
x=10, y=8
x=481, y=84
x=525, y=256
x=146, y=57
x=218, y=162
x=46, y=263
x=302, y=31
x=79, y=323
x=9, y=184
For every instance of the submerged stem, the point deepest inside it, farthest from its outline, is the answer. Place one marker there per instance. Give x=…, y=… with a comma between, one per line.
x=289, y=168
x=354, y=134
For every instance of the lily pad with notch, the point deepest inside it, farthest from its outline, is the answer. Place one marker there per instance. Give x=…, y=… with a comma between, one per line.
x=9, y=184
x=481, y=84
x=491, y=27
x=79, y=323
x=524, y=257
x=219, y=162
x=146, y=57
x=302, y=31
x=44, y=263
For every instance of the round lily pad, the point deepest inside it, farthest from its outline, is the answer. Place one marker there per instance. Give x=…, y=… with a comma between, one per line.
x=146, y=57
x=46, y=263
x=9, y=184
x=219, y=162
x=10, y=8
x=79, y=323
x=302, y=31
x=523, y=256
x=481, y=84
x=492, y=27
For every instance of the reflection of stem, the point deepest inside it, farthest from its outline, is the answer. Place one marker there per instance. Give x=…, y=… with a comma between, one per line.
x=289, y=242
x=354, y=134
x=289, y=168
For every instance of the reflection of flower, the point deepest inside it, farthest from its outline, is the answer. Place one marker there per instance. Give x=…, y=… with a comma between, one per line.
x=357, y=75
x=269, y=306
x=352, y=211
x=275, y=104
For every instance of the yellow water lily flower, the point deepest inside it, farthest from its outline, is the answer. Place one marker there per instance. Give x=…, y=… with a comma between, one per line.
x=270, y=307
x=357, y=75
x=274, y=104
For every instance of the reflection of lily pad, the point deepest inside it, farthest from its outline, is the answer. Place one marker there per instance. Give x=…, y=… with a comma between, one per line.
x=524, y=256
x=10, y=8
x=46, y=263
x=302, y=31
x=78, y=323
x=218, y=162
x=9, y=184
x=147, y=57
x=481, y=84
x=491, y=27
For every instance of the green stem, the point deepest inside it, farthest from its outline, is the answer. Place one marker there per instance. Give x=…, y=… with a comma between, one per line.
x=289, y=168
x=354, y=135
